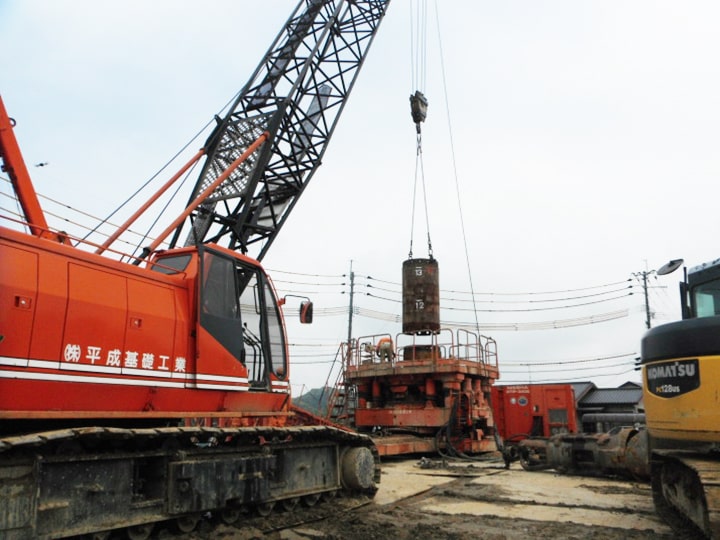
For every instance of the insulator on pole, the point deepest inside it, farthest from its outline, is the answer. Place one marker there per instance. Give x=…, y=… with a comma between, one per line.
x=418, y=107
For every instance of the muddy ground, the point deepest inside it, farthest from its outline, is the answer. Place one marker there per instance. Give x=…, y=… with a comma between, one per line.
x=435, y=500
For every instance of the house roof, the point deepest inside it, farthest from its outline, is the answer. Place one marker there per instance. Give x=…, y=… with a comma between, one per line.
x=581, y=389
x=611, y=396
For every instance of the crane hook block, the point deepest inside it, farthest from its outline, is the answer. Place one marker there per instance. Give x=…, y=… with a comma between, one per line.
x=418, y=106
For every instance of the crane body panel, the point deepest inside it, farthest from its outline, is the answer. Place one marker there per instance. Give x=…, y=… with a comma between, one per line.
x=109, y=339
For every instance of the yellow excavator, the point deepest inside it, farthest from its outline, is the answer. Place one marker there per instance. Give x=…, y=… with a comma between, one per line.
x=681, y=386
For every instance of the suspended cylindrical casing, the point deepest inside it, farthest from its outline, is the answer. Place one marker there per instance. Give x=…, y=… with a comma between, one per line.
x=421, y=296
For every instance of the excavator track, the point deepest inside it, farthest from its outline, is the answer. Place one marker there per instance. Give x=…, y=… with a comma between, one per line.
x=95, y=480
x=686, y=492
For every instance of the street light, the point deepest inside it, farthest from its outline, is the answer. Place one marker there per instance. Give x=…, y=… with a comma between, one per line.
x=667, y=268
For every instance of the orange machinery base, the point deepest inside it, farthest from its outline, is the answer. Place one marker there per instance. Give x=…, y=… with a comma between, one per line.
x=395, y=445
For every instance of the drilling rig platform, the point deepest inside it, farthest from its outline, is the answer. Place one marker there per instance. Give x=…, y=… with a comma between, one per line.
x=424, y=390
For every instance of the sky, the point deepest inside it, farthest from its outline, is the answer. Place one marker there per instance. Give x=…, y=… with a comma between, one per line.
x=570, y=146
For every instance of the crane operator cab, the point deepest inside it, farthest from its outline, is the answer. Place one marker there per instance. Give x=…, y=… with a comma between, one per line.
x=240, y=312
x=240, y=337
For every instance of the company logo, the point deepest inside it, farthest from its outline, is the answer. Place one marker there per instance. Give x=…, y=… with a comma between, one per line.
x=672, y=379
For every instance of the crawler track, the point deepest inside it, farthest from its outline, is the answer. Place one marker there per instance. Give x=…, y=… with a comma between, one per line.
x=686, y=492
x=95, y=480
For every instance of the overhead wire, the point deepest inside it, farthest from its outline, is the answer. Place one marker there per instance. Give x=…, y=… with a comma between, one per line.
x=542, y=325
x=167, y=204
x=394, y=317
x=146, y=235
x=574, y=365
x=82, y=226
x=454, y=165
x=151, y=179
x=18, y=212
x=528, y=293
x=474, y=300
x=575, y=368
x=554, y=324
x=562, y=299
x=511, y=310
x=548, y=308
x=660, y=303
x=398, y=289
x=334, y=276
x=563, y=378
x=565, y=362
x=516, y=368
x=361, y=311
x=314, y=283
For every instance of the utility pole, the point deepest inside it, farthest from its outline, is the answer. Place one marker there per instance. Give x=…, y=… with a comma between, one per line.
x=644, y=275
x=667, y=268
x=647, y=301
x=350, y=309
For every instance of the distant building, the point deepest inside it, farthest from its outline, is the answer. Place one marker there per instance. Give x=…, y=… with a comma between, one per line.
x=601, y=409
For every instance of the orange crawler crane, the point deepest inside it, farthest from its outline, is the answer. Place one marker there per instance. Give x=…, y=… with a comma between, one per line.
x=432, y=392
x=156, y=388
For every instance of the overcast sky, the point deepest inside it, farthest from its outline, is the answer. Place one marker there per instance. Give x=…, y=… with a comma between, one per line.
x=586, y=138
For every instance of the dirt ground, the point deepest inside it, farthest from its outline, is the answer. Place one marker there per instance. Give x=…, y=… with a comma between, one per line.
x=435, y=500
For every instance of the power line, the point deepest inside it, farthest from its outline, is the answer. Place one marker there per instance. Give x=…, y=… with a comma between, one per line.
x=486, y=327
x=562, y=379
x=334, y=276
x=546, y=325
x=561, y=291
x=67, y=221
x=510, y=310
x=394, y=317
x=566, y=362
x=447, y=299
x=587, y=368
x=316, y=284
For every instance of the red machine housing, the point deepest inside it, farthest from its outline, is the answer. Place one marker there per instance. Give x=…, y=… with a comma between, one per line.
x=534, y=410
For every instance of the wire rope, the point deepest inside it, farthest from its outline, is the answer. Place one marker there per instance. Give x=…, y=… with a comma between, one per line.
x=418, y=105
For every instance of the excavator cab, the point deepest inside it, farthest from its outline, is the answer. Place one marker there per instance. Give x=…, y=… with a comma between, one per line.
x=700, y=291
